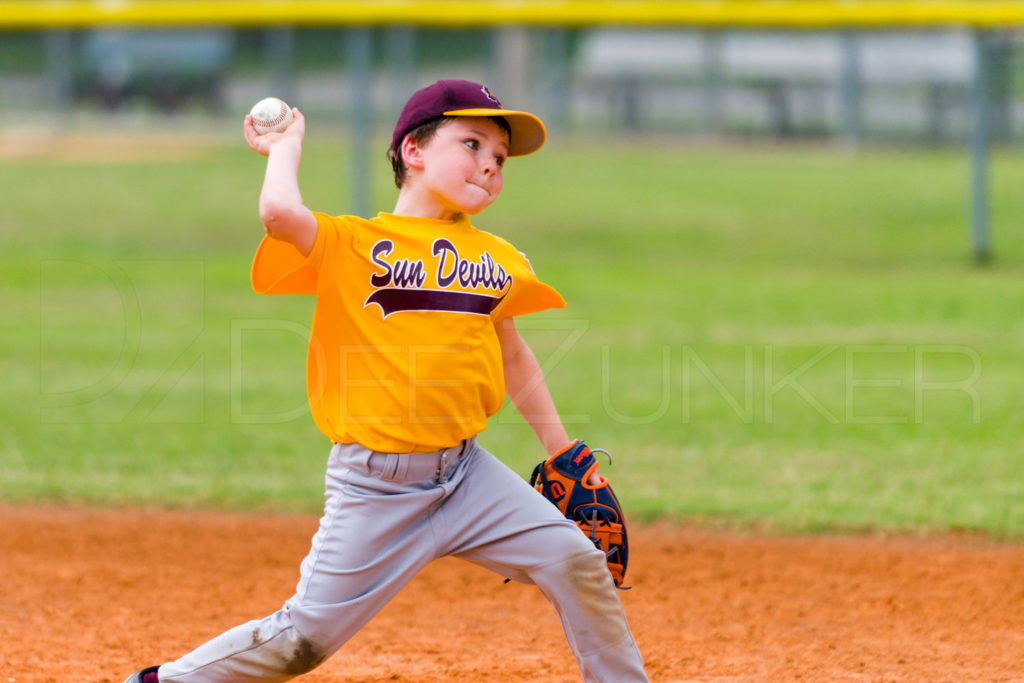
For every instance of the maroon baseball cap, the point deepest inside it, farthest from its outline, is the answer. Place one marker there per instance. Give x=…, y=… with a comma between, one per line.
x=466, y=98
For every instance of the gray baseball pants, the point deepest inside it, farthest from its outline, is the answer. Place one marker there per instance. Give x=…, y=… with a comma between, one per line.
x=386, y=516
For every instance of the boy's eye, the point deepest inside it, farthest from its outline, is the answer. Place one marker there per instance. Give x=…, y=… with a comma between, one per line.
x=472, y=143
x=500, y=160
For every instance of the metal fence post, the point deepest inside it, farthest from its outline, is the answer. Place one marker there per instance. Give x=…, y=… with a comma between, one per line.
x=850, y=88
x=712, y=82
x=555, y=78
x=360, y=63
x=979, y=141
x=401, y=49
x=281, y=53
x=511, y=52
x=60, y=60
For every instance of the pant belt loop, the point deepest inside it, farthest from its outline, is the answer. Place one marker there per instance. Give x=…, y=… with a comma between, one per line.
x=391, y=464
x=456, y=453
x=442, y=461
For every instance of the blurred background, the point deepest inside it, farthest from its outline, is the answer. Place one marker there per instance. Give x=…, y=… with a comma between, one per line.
x=855, y=86
x=791, y=73
x=771, y=221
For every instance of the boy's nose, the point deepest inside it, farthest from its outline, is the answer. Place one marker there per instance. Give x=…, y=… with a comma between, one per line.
x=489, y=166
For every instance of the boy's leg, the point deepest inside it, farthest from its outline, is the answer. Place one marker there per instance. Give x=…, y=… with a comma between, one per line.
x=370, y=543
x=497, y=520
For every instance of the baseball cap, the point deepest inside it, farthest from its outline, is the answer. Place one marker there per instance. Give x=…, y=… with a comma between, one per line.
x=466, y=98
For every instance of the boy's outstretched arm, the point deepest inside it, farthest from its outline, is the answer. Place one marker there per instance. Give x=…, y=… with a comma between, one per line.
x=282, y=211
x=525, y=385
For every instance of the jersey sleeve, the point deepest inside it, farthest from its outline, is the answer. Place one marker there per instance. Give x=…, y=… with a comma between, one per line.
x=279, y=268
x=529, y=294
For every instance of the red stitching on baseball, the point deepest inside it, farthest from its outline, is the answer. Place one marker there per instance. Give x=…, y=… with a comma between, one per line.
x=267, y=123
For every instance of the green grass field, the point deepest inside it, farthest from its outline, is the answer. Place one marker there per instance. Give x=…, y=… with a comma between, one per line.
x=790, y=339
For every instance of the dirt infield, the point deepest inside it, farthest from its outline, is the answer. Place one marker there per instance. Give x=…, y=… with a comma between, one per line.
x=92, y=595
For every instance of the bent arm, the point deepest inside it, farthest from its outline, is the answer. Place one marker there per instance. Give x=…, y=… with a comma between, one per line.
x=282, y=211
x=525, y=385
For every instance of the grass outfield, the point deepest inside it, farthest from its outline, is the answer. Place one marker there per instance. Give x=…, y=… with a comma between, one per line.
x=788, y=338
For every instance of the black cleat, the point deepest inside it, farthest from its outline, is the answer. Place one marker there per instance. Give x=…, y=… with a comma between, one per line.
x=139, y=676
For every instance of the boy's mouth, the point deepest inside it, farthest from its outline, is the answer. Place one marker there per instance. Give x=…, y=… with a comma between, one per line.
x=480, y=186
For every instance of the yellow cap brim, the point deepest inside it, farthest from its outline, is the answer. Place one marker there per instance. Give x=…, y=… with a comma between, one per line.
x=528, y=131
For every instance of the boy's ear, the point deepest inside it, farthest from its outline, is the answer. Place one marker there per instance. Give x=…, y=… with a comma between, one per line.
x=412, y=152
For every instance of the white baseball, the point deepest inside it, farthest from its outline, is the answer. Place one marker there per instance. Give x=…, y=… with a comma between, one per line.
x=271, y=115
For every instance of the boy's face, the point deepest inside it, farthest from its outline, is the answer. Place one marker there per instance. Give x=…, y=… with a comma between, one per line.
x=461, y=165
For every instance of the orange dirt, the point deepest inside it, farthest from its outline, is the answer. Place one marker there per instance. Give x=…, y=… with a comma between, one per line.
x=91, y=595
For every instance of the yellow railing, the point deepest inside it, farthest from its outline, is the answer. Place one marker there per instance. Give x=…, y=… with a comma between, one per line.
x=983, y=14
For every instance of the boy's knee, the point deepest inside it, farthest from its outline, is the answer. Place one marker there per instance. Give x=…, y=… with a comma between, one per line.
x=580, y=564
x=579, y=549
x=590, y=569
x=305, y=656
x=582, y=590
x=296, y=653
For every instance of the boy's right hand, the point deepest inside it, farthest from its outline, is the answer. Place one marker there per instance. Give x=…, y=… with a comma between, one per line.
x=263, y=143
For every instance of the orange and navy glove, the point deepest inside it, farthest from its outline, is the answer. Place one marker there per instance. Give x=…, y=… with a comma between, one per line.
x=563, y=480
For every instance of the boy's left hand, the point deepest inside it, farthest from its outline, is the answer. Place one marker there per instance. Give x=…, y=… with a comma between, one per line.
x=569, y=480
x=263, y=143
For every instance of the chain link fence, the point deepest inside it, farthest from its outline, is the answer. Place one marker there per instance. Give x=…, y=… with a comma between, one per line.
x=853, y=87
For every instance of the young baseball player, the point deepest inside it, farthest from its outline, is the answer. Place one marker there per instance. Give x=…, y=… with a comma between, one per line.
x=413, y=347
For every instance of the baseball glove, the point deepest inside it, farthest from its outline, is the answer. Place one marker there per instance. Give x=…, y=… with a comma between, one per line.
x=562, y=479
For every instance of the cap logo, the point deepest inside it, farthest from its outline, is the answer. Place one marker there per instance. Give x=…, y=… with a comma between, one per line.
x=490, y=96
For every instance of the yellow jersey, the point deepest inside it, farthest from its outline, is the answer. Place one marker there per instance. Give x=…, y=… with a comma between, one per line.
x=403, y=353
